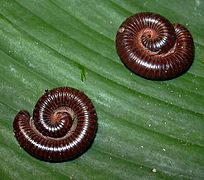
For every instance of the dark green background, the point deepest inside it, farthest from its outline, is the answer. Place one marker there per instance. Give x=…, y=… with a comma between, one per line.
x=143, y=125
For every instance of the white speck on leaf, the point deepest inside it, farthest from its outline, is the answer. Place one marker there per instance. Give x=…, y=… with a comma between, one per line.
x=154, y=170
x=12, y=69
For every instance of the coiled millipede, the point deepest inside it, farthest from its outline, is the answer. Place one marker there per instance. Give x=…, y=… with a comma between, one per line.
x=150, y=46
x=63, y=125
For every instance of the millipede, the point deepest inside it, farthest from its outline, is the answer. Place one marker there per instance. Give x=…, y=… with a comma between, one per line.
x=63, y=126
x=154, y=48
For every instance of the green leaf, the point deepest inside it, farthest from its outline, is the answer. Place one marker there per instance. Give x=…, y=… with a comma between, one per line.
x=144, y=126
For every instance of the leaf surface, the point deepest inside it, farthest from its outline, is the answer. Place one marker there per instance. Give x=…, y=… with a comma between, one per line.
x=143, y=124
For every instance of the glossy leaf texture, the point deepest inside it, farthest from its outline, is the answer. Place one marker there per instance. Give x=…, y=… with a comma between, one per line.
x=147, y=129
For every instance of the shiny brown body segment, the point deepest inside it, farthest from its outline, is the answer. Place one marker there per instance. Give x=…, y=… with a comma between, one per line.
x=63, y=125
x=150, y=46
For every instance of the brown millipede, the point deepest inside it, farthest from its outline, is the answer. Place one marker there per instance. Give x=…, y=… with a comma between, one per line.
x=63, y=125
x=150, y=46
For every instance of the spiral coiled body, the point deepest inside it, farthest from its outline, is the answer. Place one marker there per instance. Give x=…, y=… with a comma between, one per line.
x=152, y=47
x=63, y=126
